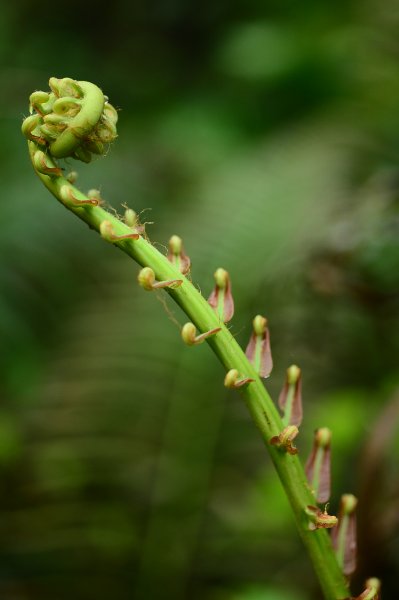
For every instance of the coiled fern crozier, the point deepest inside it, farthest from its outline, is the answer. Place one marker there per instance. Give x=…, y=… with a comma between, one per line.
x=74, y=119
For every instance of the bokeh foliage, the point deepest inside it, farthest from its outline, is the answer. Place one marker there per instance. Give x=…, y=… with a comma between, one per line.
x=266, y=135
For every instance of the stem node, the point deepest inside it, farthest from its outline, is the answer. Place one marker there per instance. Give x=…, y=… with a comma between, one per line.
x=284, y=440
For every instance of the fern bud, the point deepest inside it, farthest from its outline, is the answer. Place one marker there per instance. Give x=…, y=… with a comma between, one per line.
x=258, y=350
x=73, y=120
x=31, y=130
x=221, y=298
x=233, y=380
x=190, y=337
x=344, y=536
x=131, y=218
x=146, y=279
x=177, y=256
x=40, y=102
x=318, y=466
x=290, y=399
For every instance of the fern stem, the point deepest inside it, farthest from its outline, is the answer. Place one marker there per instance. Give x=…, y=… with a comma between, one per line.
x=230, y=354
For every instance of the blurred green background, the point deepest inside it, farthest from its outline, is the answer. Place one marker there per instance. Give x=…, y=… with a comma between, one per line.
x=266, y=134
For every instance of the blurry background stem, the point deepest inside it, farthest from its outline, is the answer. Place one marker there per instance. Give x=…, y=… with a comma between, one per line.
x=180, y=484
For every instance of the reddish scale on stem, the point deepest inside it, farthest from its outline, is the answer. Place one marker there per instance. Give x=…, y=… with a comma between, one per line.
x=320, y=519
x=344, y=536
x=177, y=256
x=221, y=299
x=318, y=466
x=107, y=233
x=258, y=350
x=290, y=399
x=66, y=195
x=284, y=440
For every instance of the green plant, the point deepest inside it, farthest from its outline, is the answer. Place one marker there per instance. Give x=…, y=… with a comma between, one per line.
x=76, y=120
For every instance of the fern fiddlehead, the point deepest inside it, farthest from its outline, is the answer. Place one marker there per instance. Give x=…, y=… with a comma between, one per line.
x=74, y=119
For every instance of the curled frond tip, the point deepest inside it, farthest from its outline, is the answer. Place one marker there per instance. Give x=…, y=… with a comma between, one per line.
x=74, y=119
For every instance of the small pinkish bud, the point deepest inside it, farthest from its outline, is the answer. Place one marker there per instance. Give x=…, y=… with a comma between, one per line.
x=290, y=400
x=258, y=350
x=177, y=256
x=107, y=233
x=284, y=440
x=344, y=537
x=233, y=380
x=190, y=337
x=318, y=466
x=320, y=519
x=221, y=298
x=146, y=279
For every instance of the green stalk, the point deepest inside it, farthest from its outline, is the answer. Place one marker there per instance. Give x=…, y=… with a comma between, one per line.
x=230, y=354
